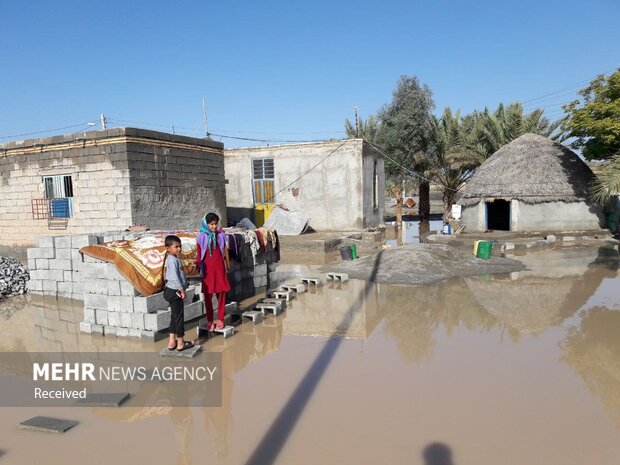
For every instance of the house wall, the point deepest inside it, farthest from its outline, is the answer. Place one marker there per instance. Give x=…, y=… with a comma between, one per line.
x=548, y=216
x=336, y=193
x=373, y=213
x=120, y=177
x=174, y=182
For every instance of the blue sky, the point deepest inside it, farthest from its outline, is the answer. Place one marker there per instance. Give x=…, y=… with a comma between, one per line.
x=269, y=69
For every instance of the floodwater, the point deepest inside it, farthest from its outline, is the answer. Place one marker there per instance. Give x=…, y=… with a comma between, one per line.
x=412, y=230
x=512, y=370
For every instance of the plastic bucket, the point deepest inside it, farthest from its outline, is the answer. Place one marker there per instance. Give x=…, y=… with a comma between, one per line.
x=485, y=250
x=354, y=252
x=447, y=229
x=346, y=253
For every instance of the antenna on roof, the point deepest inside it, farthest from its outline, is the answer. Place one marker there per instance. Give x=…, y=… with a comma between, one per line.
x=357, y=123
x=103, y=121
x=204, y=114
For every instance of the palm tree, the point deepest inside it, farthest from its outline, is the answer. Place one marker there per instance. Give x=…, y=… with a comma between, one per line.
x=367, y=129
x=484, y=132
x=607, y=183
x=448, y=142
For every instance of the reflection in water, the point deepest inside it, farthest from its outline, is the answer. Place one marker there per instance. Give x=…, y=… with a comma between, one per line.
x=593, y=349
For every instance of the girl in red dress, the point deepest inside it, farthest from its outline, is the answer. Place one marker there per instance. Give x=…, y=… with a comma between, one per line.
x=212, y=259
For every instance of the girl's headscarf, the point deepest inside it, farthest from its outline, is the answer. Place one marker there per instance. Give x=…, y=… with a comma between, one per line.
x=211, y=239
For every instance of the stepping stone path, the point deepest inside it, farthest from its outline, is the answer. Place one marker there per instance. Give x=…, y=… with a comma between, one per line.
x=47, y=424
x=315, y=281
x=342, y=277
x=253, y=315
x=104, y=399
x=298, y=288
x=187, y=353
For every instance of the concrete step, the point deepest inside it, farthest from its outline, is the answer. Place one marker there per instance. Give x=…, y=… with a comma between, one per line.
x=342, y=277
x=295, y=287
x=312, y=281
x=269, y=300
x=253, y=315
x=273, y=308
x=281, y=294
x=226, y=331
x=187, y=353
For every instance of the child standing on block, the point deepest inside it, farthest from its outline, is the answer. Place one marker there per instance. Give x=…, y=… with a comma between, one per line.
x=212, y=259
x=174, y=293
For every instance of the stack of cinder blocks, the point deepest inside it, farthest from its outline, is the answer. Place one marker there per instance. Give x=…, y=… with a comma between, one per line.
x=113, y=308
x=56, y=264
x=251, y=276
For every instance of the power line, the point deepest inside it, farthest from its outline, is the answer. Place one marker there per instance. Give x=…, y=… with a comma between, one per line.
x=88, y=123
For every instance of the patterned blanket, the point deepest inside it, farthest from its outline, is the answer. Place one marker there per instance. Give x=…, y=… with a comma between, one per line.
x=140, y=260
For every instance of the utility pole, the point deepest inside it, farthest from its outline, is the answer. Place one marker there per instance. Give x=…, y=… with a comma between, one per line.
x=204, y=114
x=357, y=123
x=103, y=121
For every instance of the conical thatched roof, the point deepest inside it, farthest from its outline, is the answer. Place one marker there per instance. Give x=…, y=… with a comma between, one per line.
x=532, y=169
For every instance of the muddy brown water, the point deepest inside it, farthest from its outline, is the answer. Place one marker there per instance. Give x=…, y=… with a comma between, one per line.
x=515, y=369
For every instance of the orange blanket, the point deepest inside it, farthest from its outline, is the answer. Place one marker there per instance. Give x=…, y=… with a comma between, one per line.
x=140, y=260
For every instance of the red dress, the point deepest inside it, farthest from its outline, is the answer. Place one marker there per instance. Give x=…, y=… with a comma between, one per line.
x=215, y=280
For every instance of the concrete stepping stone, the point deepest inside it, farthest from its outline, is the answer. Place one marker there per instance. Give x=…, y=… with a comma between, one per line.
x=47, y=424
x=270, y=300
x=295, y=287
x=226, y=331
x=342, y=277
x=281, y=294
x=276, y=309
x=314, y=281
x=253, y=315
x=187, y=353
x=102, y=399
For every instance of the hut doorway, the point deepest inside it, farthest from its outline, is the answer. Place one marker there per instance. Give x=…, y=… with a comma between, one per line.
x=498, y=215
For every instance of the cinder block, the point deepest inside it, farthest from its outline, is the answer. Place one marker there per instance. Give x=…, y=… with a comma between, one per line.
x=89, y=259
x=93, y=269
x=50, y=286
x=62, y=242
x=96, y=301
x=260, y=281
x=35, y=285
x=78, y=289
x=135, y=333
x=41, y=263
x=40, y=253
x=122, y=332
x=63, y=254
x=114, y=319
x=32, y=263
x=76, y=255
x=126, y=289
x=125, y=320
x=111, y=273
x=65, y=287
x=52, y=275
x=83, y=240
x=150, y=304
x=114, y=287
x=193, y=310
x=45, y=242
x=120, y=304
x=96, y=286
x=109, y=330
x=157, y=321
x=89, y=315
x=86, y=327
x=137, y=321
x=97, y=329
x=60, y=265
x=260, y=270
x=101, y=317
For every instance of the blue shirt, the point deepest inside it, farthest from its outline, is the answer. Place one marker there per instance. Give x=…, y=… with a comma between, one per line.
x=175, y=277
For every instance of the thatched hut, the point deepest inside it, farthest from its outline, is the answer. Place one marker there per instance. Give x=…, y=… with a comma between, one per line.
x=531, y=184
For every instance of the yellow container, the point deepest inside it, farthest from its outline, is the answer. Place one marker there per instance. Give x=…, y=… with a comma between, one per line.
x=476, y=248
x=261, y=213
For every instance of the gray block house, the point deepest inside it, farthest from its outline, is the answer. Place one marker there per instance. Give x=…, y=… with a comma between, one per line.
x=339, y=184
x=107, y=180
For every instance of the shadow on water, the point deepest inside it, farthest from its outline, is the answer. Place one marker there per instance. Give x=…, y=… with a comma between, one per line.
x=437, y=453
x=276, y=436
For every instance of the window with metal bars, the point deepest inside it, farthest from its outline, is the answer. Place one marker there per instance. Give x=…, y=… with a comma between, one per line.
x=263, y=175
x=59, y=192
